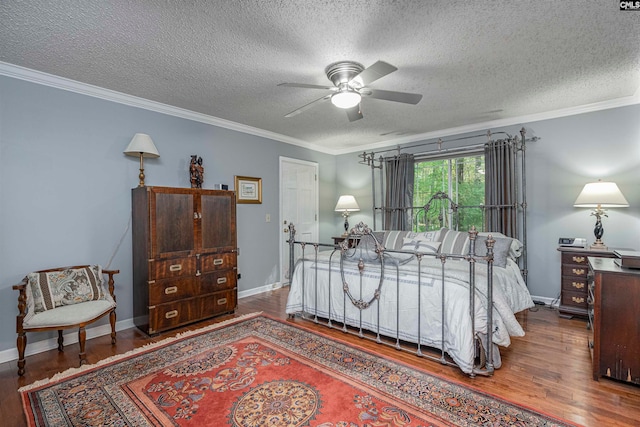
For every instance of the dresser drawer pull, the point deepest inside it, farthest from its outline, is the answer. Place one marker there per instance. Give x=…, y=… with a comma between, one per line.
x=171, y=314
x=175, y=267
x=578, y=259
x=222, y=280
x=171, y=290
x=222, y=301
x=578, y=300
x=218, y=261
x=578, y=271
x=577, y=285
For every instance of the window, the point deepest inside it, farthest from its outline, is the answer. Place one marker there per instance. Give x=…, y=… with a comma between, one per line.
x=462, y=178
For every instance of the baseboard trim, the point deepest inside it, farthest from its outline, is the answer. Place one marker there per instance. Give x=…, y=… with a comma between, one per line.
x=71, y=337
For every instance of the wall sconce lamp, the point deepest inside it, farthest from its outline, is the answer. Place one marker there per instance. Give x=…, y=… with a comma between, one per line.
x=346, y=204
x=142, y=145
x=600, y=195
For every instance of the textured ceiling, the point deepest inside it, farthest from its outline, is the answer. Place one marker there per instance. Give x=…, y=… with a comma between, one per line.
x=474, y=61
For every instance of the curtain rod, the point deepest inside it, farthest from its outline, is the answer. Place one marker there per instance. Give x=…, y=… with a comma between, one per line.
x=368, y=157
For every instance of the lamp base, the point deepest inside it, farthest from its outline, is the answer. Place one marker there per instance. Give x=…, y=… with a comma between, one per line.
x=598, y=246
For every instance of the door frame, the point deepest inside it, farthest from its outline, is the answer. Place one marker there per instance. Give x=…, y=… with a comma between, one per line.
x=282, y=239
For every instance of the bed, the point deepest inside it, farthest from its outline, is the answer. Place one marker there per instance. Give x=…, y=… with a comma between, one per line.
x=413, y=291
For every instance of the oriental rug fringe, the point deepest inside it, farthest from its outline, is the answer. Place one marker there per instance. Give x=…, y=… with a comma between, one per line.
x=257, y=371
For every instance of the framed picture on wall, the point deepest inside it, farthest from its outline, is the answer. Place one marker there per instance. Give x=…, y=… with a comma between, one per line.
x=248, y=189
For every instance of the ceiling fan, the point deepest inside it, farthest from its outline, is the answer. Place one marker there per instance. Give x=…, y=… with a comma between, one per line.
x=350, y=80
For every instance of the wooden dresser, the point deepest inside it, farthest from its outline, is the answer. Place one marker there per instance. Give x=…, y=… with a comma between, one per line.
x=184, y=256
x=573, y=279
x=614, y=317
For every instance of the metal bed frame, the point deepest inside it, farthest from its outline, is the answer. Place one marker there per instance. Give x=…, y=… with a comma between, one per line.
x=483, y=362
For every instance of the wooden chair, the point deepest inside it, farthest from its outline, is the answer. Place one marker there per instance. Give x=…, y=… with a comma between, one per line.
x=71, y=315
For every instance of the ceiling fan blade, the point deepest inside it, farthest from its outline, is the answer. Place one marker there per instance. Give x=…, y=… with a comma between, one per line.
x=373, y=73
x=354, y=113
x=388, y=95
x=309, y=105
x=304, y=85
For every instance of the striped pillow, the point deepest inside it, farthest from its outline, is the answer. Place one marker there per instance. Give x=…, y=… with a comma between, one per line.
x=454, y=242
x=422, y=246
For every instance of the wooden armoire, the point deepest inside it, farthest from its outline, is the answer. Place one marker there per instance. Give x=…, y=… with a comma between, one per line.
x=184, y=256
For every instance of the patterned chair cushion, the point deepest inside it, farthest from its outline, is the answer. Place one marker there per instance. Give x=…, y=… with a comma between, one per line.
x=64, y=287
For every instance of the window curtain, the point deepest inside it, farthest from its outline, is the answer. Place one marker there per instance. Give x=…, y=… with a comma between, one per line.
x=399, y=172
x=500, y=187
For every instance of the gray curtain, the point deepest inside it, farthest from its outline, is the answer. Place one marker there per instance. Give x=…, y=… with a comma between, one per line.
x=500, y=187
x=399, y=171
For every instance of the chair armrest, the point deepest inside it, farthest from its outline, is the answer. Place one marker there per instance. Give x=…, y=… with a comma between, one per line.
x=111, y=282
x=22, y=298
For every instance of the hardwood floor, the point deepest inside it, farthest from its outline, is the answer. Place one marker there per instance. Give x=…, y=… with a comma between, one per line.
x=549, y=369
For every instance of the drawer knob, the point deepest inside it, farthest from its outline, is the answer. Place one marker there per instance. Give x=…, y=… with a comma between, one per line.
x=218, y=261
x=578, y=271
x=577, y=285
x=175, y=267
x=578, y=259
x=222, y=280
x=171, y=290
x=171, y=314
x=578, y=300
x=222, y=301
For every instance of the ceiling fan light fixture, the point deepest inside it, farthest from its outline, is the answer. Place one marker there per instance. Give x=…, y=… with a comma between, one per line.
x=346, y=99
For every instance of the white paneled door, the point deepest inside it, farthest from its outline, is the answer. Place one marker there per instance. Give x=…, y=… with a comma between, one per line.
x=298, y=205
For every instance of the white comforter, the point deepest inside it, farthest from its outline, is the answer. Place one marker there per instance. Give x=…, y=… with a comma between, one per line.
x=399, y=299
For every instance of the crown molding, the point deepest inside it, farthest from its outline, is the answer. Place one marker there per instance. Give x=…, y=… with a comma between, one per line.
x=493, y=124
x=51, y=80
x=22, y=73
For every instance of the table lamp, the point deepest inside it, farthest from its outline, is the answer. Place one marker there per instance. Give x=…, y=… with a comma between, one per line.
x=346, y=204
x=142, y=145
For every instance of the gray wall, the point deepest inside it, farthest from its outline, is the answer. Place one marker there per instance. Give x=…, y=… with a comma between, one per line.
x=571, y=151
x=65, y=186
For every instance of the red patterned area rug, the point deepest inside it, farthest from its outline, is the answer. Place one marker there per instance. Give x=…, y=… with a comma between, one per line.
x=257, y=371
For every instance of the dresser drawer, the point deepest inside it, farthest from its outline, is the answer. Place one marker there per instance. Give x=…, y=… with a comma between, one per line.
x=575, y=299
x=575, y=270
x=218, y=281
x=218, y=303
x=577, y=259
x=171, y=315
x=167, y=290
x=575, y=284
x=176, y=267
x=214, y=262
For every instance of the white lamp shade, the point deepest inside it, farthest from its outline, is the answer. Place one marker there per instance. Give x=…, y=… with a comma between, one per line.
x=603, y=194
x=346, y=99
x=142, y=144
x=347, y=203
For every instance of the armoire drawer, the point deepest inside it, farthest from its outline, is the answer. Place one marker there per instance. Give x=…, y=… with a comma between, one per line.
x=173, y=314
x=176, y=267
x=218, y=281
x=167, y=290
x=214, y=262
x=218, y=303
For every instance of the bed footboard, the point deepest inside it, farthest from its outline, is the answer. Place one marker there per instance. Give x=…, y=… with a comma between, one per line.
x=438, y=306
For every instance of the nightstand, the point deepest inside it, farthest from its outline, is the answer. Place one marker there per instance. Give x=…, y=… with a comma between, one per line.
x=573, y=278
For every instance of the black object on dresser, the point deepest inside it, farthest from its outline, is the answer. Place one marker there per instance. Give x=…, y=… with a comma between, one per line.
x=184, y=256
x=614, y=316
x=573, y=288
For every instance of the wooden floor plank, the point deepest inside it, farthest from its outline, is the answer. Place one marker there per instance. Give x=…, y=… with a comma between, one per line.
x=549, y=369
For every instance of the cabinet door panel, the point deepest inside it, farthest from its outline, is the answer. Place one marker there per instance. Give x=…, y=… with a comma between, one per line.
x=173, y=220
x=218, y=223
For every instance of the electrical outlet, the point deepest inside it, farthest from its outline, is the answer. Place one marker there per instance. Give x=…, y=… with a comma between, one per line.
x=267, y=218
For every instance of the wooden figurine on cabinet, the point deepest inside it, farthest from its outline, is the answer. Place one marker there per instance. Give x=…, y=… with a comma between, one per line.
x=196, y=172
